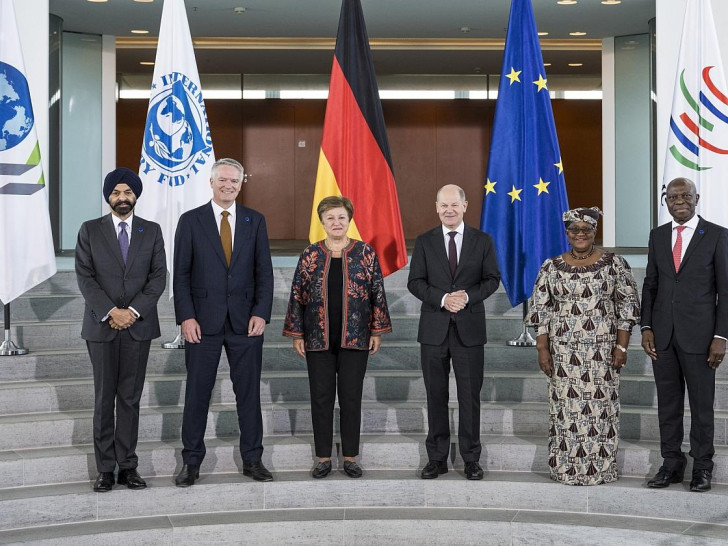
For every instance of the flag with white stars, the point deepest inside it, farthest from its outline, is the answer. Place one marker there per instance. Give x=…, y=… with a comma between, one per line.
x=525, y=193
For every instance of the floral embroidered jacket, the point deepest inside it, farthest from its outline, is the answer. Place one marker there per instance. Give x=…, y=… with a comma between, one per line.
x=364, y=303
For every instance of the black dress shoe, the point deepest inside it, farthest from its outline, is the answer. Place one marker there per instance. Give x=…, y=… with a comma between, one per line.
x=257, y=471
x=104, y=482
x=321, y=470
x=473, y=471
x=433, y=469
x=701, y=480
x=131, y=478
x=352, y=469
x=187, y=476
x=665, y=477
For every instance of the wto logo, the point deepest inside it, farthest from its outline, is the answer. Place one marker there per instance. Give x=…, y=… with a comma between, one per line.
x=710, y=123
x=177, y=141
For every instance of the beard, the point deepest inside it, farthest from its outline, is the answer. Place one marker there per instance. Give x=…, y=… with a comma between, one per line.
x=123, y=207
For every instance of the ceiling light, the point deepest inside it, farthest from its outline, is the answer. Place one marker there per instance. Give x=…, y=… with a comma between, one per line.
x=543, y=33
x=144, y=1
x=140, y=31
x=99, y=1
x=576, y=64
x=611, y=2
x=465, y=30
x=146, y=63
x=547, y=64
x=577, y=33
x=239, y=10
x=566, y=2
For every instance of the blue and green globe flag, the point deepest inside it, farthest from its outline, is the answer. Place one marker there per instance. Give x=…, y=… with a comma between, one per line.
x=27, y=257
x=525, y=193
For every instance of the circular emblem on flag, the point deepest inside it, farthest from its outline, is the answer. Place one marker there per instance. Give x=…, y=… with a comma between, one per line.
x=16, y=112
x=177, y=134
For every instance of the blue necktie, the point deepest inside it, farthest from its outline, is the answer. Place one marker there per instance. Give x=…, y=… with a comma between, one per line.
x=123, y=241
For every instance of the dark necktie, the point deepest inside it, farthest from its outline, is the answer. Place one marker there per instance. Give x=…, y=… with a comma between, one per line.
x=123, y=241
x=226, y=236
x=677, y=249
x=452, y=252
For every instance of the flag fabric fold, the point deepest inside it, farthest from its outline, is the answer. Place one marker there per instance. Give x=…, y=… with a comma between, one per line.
x=525, y=194
x=177, y=153
x=27, y=257
x=697, y=142
x=354, y=159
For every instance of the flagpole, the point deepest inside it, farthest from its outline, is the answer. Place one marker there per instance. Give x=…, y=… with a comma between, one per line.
x=7, y=347
x=525, y=339
x=176, y=343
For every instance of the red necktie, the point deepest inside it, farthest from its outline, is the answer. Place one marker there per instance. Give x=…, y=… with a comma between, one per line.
x=677, y=249
x=452, y=252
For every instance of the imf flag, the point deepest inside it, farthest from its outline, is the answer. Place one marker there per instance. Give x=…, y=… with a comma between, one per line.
x=177, y=150
x=697, y=144
x=525, y=193
x=27, y=257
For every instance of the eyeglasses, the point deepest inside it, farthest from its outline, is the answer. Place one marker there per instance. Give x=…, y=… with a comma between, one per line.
x=684, y=196
x=576, y=230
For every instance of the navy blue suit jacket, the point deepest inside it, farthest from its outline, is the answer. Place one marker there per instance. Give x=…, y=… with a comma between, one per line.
x=693, y=302
x=205, y=288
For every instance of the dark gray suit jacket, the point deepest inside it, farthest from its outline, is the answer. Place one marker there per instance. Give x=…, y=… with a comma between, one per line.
x=692, y=303
x=106, y=283
x=205, y=288
x=429, y=280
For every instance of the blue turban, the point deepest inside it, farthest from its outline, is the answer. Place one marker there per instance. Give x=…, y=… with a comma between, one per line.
x=122, y=175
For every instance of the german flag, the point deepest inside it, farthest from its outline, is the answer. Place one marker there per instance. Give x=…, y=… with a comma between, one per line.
x=354, y=160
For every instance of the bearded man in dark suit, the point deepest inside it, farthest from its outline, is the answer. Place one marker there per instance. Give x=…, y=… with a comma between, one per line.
x=453, y=270
x=684, y=330
x=121, y=271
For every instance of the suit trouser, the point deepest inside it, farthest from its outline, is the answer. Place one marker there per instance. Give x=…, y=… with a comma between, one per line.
x=245, y=356
x=341, y=369
x=673, y=370
x=467, y=363
x=119, y=369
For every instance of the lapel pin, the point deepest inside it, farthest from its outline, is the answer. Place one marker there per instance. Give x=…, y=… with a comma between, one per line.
x=140, y=230
x=700, y=231
x=247, y=218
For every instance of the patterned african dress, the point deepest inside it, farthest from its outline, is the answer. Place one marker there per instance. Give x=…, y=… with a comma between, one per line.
x=581, y=308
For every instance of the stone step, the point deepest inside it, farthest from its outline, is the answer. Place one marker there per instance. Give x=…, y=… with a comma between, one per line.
x=368, y=526
x=57, y=465
x=57, y=335
x=291, y=418
x=500, y=491
x=292, y=386
x=51, y=364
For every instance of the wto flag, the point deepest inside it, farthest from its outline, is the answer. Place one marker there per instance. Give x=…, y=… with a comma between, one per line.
x=354, y=160
x=177, y=152
x=525, y=193
x=697, y=144
x=27, y=257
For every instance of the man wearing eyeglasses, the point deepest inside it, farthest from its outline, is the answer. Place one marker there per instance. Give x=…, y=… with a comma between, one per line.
x=684, y=330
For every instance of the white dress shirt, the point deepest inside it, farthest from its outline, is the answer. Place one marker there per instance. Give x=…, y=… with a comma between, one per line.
x=687, y=234
x=117, y=230
x=458, y=245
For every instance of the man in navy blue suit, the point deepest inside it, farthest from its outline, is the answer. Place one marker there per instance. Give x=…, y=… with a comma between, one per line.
x=223, y=293
x=684, y=330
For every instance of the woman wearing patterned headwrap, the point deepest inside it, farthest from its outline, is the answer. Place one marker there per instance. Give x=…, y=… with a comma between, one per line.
x=583, y=307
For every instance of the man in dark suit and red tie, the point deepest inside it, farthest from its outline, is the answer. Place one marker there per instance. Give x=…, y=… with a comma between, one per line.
x=223, y=294
x=684, y=330
x=121, y=271
x=453, y=270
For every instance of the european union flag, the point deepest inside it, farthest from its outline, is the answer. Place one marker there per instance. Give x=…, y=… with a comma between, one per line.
x=525, y=193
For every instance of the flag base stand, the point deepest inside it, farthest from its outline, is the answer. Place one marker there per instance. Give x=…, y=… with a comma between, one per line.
x=525, y=339
x=7, y=347
x=176, y=343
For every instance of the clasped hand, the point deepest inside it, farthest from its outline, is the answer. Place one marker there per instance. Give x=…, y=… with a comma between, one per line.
x=121, y=319
x=456, y=301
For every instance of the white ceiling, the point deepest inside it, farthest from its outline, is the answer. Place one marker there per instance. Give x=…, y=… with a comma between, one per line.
x=396, y=19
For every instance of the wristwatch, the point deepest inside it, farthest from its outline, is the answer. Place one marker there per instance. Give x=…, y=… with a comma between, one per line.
x=623, y=349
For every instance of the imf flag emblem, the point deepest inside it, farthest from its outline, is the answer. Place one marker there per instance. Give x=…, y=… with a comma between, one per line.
x=177, y=141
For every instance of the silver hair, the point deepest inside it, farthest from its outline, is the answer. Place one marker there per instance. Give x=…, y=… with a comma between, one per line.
x=460, y=191
x=228, y=162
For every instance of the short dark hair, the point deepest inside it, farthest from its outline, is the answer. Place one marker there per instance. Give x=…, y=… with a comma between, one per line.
x=334, y=202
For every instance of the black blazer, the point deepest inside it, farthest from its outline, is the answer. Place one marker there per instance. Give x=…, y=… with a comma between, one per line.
x=205, y=288
x=106, y=283
x=430, y=279
x=692, y=303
